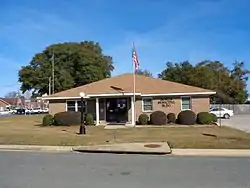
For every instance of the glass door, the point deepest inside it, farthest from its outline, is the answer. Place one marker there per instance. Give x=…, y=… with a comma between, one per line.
x=117, y=110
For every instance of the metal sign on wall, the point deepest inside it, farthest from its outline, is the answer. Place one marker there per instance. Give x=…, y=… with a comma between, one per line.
x=166, y=102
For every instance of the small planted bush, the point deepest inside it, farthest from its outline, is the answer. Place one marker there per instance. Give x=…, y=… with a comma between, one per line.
x=204, y=118
x=89, y=119
x=67, y=118
x=48, y=120
x=187, y=117
x=214, y=118
x=171, y=118
x=143, y=119
x=158, y=118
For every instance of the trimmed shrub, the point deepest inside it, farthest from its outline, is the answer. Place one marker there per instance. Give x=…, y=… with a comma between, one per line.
x=67, y=118
x=158, y=118
x=143, y=119
x=214, y=118
x=187, y=117
x=204, y=118
x=89, y=119
x=171, y=117
x=48, y=120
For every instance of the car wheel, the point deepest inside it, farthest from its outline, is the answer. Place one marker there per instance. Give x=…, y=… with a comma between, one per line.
x=226, y=116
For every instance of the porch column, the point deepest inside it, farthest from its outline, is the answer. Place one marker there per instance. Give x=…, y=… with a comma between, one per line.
x=97, y=111
x=132, y=111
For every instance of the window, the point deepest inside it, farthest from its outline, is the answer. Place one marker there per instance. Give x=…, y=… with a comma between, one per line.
x=217, y=109
x=71, y=106
x=76, y=106
x=185, y=103
x=147, y=104
x=79, y=106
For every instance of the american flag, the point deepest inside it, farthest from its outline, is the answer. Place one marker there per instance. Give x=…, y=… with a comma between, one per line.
x=135, y=58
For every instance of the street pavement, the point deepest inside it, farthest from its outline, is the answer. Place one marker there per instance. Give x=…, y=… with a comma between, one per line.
x=241, y=122
x=64, y=170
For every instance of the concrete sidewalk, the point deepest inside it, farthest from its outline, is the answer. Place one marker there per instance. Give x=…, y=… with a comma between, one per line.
x=37, y=148
x=155, y=148
x=212, y=152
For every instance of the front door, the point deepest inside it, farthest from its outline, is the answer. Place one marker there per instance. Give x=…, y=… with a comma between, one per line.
x=117, y=110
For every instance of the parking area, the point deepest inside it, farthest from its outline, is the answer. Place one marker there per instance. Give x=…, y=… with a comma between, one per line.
x=241, y=122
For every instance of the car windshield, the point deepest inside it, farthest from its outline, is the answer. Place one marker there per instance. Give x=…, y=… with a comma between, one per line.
x=214, y=109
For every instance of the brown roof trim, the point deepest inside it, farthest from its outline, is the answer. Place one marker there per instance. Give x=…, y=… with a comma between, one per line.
x=131, y=94
x=180, y=94
x=4, y=101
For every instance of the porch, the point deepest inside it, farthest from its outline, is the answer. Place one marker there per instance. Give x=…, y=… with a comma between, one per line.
x=112, y=110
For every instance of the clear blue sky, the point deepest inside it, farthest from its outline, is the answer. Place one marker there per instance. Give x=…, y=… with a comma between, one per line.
x=162, y=30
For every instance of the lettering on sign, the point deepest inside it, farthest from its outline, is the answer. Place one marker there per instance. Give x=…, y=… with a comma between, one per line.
x=166, y=102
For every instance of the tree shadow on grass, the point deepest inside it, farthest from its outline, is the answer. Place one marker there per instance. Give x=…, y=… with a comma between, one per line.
x=39, y=125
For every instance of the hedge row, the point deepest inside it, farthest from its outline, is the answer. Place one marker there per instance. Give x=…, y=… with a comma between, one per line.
x=186, y=117
x=67, y=119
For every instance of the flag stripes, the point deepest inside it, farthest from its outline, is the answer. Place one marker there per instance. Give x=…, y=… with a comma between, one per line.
x=135, y=58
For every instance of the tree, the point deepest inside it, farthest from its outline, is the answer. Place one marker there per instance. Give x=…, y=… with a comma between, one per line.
x=239, y=75
x=230, y=85
x=178, y=72
x=11, y=94
x=75, y=64
x=144, y=72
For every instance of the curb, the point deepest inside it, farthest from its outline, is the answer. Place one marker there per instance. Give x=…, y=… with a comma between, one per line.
x=36, y=148
x=82, y=149
x=172, y=152
x=151, y=148
x=212, y=152
x=121, y=152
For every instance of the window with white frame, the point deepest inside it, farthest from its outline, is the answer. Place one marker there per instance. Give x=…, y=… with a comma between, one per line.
x=147, y=104
x=79, y=105
x=71, y=105
x=76, y=106
x=186, y=103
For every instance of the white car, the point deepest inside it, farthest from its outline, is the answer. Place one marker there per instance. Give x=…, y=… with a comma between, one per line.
x=5, y=112
x=28, y=111
x=13, y=111
x=222, y=112
x=36, y=111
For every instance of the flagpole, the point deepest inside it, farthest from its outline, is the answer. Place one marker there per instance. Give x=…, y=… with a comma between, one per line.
x=134, y=87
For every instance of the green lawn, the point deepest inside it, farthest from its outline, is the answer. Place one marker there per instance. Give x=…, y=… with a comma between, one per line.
x=27, y=130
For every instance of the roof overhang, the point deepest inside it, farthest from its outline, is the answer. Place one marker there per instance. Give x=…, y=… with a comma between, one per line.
x=131, y=94
x=180, y=94
x=94, y=95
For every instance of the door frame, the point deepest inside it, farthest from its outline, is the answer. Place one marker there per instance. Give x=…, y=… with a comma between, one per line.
x=116, y=121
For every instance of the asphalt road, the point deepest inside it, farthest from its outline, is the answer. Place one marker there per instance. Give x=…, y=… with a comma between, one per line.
x=40, y=170
x=241, y=122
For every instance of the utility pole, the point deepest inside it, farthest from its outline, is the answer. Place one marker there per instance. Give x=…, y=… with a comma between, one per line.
x=219, y=82
x=49, y=85
x=53, y=74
